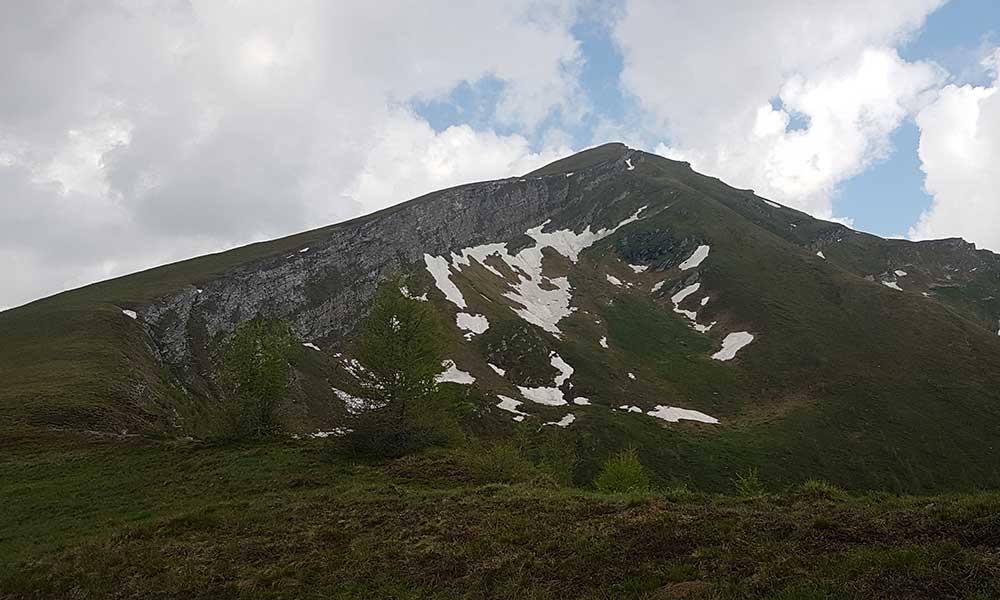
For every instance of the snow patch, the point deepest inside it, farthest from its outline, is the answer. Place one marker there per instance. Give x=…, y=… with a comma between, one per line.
x=569, y=243
x=543, y=307
x=311, y=345
x=563, y=422
x=657, y=286
x=452, y=374
x=438, y=268
x=473, y=324
x=335, y=432
x=700, y=254
x=628, y=165
x=306, y=249
x=673, y=414
x=690, y=314
x=681, y=295
x=130, y=314
x=581, y=401
x=772, y=204
x=732, y=344
x=613, y=280
x=893, y=285
x=900, y=273
x=639, y=268
x=510, y=405
x=603, y=342
x=353, y=404
x=480, y=253
x=821, y=255
x=565, y=371
x=405, y=291
x=353, y=366
x=631, y=376
x=628, y=408
x=549, y=396
x=497, y=370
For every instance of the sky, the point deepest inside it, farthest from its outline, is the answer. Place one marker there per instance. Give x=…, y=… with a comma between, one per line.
x=139, y=132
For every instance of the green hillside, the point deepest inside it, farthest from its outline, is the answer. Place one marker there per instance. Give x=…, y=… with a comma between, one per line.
x=88, y=518
x=856, y=374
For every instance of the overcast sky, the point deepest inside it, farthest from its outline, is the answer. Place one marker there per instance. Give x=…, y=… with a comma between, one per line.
x=137, y=132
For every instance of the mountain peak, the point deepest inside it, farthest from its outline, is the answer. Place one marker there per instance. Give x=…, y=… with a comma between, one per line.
x=584, y=159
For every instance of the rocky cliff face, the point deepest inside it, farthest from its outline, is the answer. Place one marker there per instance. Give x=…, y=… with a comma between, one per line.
x=324, y=287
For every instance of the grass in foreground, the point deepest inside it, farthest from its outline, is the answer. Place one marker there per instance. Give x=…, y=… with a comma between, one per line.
x=289, y=519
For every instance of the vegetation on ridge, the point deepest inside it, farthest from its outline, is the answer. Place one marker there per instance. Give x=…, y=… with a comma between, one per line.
x=279, y=518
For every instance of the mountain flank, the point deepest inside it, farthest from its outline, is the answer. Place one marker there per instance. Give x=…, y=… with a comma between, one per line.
x=615, y=294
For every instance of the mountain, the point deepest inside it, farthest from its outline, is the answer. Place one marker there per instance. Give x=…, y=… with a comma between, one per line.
x=615, y=293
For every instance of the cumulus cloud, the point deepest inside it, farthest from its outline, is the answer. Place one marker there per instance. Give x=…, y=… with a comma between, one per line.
x=410, y=157
x=135, y=132
x=132, y=133
x=723, y=84
x=960, y=155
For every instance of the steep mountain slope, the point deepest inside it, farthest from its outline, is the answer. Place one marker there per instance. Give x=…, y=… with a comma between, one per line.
x=615, y=293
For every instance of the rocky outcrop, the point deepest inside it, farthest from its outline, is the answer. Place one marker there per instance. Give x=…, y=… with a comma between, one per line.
x=324, y=288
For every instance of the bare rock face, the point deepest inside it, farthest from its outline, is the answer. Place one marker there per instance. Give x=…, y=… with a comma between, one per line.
x=323, y=288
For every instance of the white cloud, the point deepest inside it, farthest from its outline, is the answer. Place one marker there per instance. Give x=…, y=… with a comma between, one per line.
x=131, y=135
x=137, y=133
x=706, y=76
x=410, y=158
x=960, y=155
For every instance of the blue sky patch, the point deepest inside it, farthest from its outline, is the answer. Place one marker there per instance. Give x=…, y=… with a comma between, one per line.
x=886, y=199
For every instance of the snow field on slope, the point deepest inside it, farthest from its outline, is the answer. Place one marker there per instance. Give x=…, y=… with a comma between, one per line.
x=733, y=343
x=539, y=306
x=699, y=255
x=452, y=374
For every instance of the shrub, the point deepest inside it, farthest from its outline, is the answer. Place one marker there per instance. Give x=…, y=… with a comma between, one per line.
x=254, y=376
x=555, y=455
x=678, y=493
x=400, y=348
x=818, y=489
x=377, y=435
x=748, y=484
x=500, y=462
x=623, y=473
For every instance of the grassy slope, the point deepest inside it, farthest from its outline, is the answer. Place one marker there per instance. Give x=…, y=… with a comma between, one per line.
x=92, y=519
x=865, y=386
x=870, y=387
x=71, y=359
x=848, y=380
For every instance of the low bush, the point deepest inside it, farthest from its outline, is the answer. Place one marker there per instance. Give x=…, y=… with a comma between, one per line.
x=499, y=462
x=820, y=490
x=748, y=484
x=623, y=473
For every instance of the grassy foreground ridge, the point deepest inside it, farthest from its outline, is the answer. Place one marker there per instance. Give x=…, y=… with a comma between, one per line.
x=284, y=518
